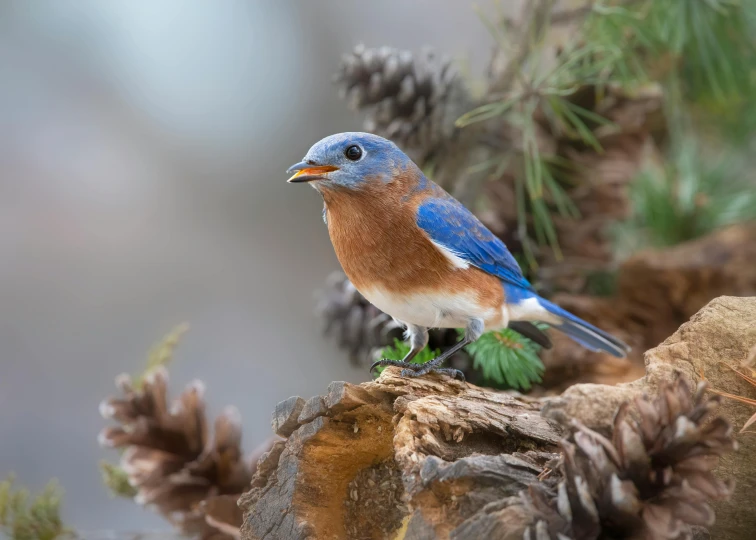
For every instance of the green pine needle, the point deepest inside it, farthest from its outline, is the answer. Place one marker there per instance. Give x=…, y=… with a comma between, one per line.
x=703, y=46
x=23, y=517
x=690, y=197
x=116, y=480
x=707, y=43
x=162, y=353
x=507, y=358
x=504, y=357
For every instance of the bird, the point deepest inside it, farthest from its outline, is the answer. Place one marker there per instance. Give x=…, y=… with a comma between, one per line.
x=419, y=255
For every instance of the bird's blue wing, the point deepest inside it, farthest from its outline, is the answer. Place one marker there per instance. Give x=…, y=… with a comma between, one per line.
x=453, y=226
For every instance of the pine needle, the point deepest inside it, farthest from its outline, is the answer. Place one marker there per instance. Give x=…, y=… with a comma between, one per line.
x=116, y=480
x=162, y=353
x=503, y=357
x=688, y=198
x=400, y=349
x=507, y=358
x=23, y=517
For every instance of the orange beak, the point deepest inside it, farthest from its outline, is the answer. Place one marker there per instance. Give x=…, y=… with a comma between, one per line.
x=306, y=172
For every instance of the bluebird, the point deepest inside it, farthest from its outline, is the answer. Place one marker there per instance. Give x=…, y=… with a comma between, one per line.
x=419, y=255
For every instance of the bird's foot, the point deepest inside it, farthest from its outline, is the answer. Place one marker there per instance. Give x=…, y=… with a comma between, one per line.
x=396, y=363
x=434, y=366
x=454, y=373
x=417, y=370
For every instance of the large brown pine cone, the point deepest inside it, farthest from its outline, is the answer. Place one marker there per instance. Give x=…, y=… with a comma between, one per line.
x=170, y=459
x=652, y=480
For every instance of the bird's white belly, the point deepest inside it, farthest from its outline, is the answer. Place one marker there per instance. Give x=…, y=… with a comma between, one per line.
x=428, y=309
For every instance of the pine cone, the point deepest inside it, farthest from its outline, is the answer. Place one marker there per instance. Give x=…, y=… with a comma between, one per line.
x=415, y=100
x=171, y=462
x=653, y=480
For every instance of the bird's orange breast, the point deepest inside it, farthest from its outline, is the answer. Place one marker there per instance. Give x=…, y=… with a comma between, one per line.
x=379, y=245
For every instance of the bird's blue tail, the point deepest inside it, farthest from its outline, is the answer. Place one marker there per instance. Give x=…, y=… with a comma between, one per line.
x=585, y=333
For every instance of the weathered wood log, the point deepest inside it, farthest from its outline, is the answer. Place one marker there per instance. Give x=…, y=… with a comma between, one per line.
x=429, y=454
x=434, y=458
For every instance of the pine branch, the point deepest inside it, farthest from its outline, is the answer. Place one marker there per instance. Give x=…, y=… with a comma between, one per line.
x=549, y=104
x=26, y=518
x=708, y=44
x=162, y=353
x=688, y=197
x=534, y=20
x=507, y=358
x=504, y=357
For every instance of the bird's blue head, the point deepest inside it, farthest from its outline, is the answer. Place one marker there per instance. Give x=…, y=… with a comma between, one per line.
x=350, y=160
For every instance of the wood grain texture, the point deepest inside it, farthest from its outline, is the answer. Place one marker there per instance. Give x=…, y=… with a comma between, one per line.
x=457, y=447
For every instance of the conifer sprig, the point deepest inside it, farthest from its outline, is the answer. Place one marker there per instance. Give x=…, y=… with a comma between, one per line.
x=507, y=358
x=504, y=357
x=23, y=517
x=686, y=198
x=700, y=51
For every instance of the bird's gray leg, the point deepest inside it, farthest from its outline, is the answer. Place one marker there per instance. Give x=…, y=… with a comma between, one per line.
x=473, y=331
x=418, y=338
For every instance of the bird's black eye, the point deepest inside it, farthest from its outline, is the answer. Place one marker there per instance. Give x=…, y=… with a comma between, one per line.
x=354, y=152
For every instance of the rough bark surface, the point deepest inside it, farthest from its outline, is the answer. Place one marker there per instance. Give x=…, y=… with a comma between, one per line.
x=417, y=458
x=436, y=458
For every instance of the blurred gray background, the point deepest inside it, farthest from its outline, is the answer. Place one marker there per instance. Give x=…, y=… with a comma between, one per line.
x=143, y=147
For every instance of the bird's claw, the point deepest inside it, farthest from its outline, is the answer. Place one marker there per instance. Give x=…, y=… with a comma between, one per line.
x=417, y=370
x=396, y=363
x=454, y=373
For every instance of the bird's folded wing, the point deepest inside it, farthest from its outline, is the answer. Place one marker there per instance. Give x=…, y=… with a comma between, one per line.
x=454, y=227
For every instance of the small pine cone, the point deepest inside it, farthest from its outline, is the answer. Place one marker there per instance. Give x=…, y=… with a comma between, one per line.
x=361, y=327
x=652, y=480
x=414, y=100
x=170, y=460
